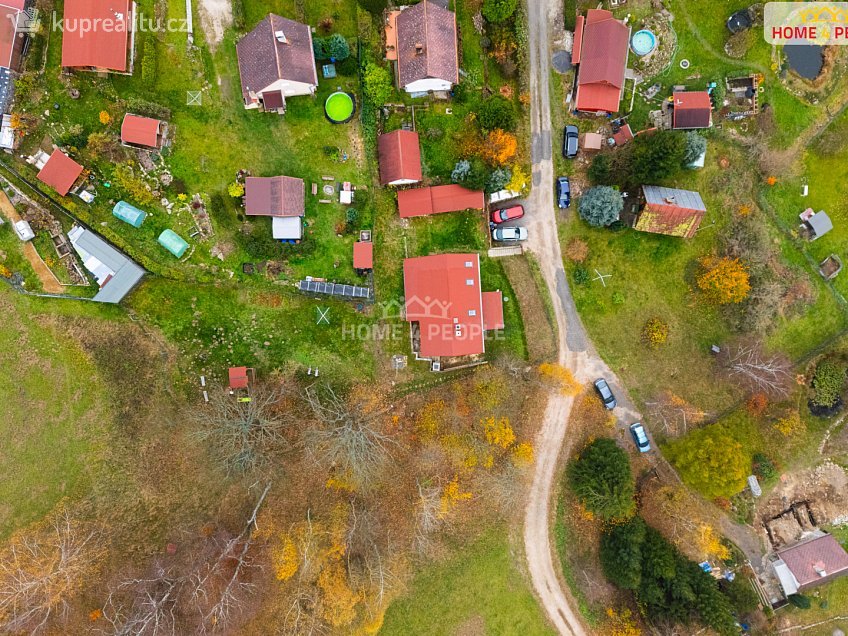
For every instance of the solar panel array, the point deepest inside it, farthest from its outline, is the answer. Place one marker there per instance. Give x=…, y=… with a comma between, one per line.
x=334, y=289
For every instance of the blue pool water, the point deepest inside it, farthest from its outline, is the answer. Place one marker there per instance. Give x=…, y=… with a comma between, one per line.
x=643, y=42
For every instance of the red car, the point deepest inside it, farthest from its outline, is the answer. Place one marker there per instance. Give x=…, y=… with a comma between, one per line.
x=507, y=214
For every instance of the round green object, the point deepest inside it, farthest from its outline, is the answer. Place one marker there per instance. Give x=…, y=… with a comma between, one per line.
x=339, y=107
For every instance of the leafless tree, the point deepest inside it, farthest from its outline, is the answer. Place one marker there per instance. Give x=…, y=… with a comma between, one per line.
x=349, y=436
x=244, y=431
x=747, y=364
x=217, y=588
x=674, y=414
x=145, y=606
x=40, y=571
x=427, y=516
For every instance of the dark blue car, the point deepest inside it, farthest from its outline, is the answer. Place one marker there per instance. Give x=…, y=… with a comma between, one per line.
x=563, y=192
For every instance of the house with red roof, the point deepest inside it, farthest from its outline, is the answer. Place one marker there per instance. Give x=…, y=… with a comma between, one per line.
x=60, y=172
x=363, y=256
x=446, y=308
x=691, y=109
x=400, y=158
x=438, y=200
x=670, y=211
x=142, y=132
x=601, y=44
x=12, y=40
x=98, y=35
x=281, y=198
x=422, y=41
x=276, y=61
x=811, y=562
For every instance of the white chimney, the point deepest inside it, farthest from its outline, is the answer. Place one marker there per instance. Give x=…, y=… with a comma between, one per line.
x=669, y=200
x=281, y=37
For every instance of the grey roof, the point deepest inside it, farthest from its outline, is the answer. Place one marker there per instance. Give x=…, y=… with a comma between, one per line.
x=820, y=223
x=126, y=272
x=659, y=195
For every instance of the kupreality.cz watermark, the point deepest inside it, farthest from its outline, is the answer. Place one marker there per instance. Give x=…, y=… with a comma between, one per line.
x=119, y=23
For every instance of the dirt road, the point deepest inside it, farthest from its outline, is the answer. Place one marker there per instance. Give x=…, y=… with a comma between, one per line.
x=575, y=350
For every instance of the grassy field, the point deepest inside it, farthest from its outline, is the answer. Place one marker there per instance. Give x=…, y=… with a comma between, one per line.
x=54, y=416
x=477, y=591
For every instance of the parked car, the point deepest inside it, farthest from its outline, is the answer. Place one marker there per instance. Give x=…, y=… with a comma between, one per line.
x=569, y=142
x=563, y=192
x=507, y=214
x=605, y=392
x=509, y=234
x=640, y=437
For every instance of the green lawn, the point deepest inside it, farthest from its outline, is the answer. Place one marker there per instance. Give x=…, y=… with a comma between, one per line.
x=476, y=591
x=54, y=419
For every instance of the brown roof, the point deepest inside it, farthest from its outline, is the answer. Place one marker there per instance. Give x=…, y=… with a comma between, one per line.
x=60, y=172
x=603, y=58
x=623, y=135
x=274, y=196
x=438, y=199
x=363, y=255
x=263, y=60
x=427, y=47
x=141, y=131
x=96, y=33
x=815, y=560
x=400, y=157
x=692, y=109
x=670, y=211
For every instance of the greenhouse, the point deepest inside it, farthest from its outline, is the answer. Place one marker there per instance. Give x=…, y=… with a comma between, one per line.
x=173, y=242
x=129, y=214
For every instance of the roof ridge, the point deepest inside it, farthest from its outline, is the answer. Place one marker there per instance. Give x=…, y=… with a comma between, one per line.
x=271, y=17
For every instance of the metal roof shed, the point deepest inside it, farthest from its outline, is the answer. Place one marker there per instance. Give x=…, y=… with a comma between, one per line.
x=173, y=242
x=820, y=224
x=115, y=273
x=129, y=213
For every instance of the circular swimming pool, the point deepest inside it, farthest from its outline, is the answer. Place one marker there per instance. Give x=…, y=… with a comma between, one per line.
x=339, y=107
x=643, y=42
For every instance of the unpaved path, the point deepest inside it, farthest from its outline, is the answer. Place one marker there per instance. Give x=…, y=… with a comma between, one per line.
x=215, y=17
x=48, y=280
x=575, y=351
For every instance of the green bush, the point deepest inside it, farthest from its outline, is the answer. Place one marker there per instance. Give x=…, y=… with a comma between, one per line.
x=741, y=594
x=375, y=7
x=800, y=601
x=499, y=10
x=238, y=15
x=600, y=476
x=828, y=383
x=711, y=461
x=601, y=206
x=148, y=64
x=581, y=275
x=763, y=467
x=497, y=112
x=600, y=171
x=376, y=84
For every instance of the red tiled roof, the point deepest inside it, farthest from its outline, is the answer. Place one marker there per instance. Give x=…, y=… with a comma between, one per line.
x=670, y=211
x=493, y=315
x=60, y=172
x=238, y=378
x=823, y=553
x=692, y=109
x=400, y=157
x=96, y=34
x=8, y=33
x=623, y=135
x=263, y=60
x=442, y=294
x=438, y=199
x=433, y=29
x=578, y=40
x=141, y=131
x=14, y=4
x=274, y=196
x=603, y=59
x=363, y=255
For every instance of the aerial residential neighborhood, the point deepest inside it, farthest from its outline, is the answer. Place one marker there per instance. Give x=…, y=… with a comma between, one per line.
x=449, y=317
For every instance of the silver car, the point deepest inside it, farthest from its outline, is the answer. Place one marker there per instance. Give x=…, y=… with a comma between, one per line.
x=509, y=234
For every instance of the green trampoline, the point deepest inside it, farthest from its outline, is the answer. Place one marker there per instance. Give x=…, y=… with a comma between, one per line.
x=339, y=107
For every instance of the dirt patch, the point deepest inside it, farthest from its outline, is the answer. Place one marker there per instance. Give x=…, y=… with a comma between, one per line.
x=215, y=17
x=541, y=343
x=474, y=626
x=804, y=499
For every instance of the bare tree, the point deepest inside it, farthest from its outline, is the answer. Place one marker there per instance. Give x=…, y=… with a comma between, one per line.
x=349, y=436
x=427, y=516
x=42, y=569
x=674, y=414
x=746, y=363
x=151, y=607
x=244, y=431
